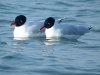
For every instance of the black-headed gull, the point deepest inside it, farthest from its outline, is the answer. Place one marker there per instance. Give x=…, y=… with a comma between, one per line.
x=25, y=29
x=55, y=29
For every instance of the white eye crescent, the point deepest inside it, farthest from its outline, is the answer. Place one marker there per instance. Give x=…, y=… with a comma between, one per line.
x=48, y=23
x=21, y=21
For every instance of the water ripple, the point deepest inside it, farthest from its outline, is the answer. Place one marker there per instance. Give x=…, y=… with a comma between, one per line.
x=4, y=21
x=12, y=56
x=64, y=4
x=7, y=68
x=2, y=43
x=96, y=30
x=48, y=71
x=40, y=57
x=49, y=9
x=5, y=6
x=90, y=47
x=85, y=1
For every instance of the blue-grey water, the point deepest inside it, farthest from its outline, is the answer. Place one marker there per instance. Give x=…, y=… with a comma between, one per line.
x=36, y=56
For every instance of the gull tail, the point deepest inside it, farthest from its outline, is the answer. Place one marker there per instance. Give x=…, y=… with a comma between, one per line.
x=90, y=28
x=61, y=19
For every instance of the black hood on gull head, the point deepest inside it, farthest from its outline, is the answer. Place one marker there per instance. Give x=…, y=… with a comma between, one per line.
x=49, y=22
x=20, y=20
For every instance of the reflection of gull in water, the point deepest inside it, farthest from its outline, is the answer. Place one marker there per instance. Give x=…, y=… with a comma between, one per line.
x=23, y=38
x=61, y=41
x=51, y=41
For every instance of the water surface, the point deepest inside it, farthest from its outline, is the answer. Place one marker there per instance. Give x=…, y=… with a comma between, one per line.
x=37, y=56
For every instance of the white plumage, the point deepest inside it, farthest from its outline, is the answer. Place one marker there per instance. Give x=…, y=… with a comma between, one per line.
x=26, y=29
x=64, y=30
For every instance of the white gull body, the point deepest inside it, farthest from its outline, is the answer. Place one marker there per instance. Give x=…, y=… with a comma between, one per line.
x=66, y=31
x=29, y=29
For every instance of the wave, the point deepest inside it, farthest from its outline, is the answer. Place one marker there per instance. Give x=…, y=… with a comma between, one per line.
x=12, y=56
x=7, y=68
x=5, y=6
x=96, y=30
x=4, y=21
x=64, y=3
